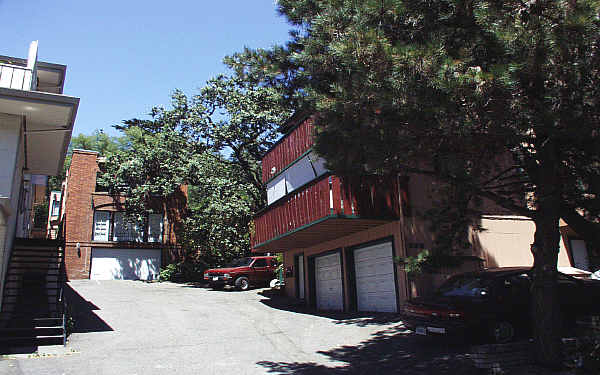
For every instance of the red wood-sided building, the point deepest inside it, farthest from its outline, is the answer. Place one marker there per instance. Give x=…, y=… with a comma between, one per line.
x=339, y=236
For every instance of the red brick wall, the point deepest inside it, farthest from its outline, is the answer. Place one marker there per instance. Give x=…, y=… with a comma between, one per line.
x=81, y=199
x=79, y=214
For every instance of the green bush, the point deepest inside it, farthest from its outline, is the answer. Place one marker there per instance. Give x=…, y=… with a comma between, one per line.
x=168, y=273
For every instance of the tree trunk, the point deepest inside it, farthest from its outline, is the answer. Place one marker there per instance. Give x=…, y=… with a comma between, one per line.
x=545, y=308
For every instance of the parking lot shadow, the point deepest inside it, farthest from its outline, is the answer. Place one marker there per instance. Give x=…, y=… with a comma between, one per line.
x=82, y=312
x=391, y=351
x=277, y=301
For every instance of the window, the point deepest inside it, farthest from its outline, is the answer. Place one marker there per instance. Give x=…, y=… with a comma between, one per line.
x=114, y=226
x=126, y=231
x=55, y=207
x=101, y=225
x=296, y=175
x=155, y=227
x=260, y=263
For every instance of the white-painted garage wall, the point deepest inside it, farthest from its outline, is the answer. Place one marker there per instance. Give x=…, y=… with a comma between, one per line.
x=125, y=264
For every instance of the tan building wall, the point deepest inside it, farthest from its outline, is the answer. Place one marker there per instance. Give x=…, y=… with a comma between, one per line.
x=380, y=232
x=505, y=242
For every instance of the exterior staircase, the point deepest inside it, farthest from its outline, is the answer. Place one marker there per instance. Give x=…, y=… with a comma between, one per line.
x=33, y=308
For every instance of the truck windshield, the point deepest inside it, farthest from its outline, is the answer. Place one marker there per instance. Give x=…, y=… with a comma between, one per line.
x=242, y=262
x=464, y=286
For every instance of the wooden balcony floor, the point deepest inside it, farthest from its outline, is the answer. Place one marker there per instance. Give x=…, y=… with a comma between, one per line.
x=322, y=230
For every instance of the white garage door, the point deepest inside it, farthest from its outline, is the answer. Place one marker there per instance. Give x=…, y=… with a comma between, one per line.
x=328, y=280
x=125, y=264
x=375, y=281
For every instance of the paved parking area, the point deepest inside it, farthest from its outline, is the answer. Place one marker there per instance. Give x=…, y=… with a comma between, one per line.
x=132, y=327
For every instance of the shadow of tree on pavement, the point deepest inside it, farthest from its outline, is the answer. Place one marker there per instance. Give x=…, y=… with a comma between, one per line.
x=389, y=352
x=360, y=319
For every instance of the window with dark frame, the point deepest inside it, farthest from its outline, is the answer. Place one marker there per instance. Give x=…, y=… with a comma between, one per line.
x=55, y=207
x=111, y=226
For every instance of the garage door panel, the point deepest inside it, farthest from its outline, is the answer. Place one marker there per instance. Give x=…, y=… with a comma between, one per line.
x=125, y=264
x=382, y=302
x=375, y=278
x=328, y=282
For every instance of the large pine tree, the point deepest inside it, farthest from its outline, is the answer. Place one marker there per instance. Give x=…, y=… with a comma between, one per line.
x=497, y=97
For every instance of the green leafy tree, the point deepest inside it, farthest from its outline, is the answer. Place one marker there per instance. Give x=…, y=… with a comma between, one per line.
x=220, y=212
x=213, y=143
x=497, y=98
x=99, y=141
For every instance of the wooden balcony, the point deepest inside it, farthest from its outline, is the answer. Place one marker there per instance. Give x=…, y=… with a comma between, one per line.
x=326, y=209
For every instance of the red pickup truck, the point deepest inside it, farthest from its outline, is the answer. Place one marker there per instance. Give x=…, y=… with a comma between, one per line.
x=243, y=273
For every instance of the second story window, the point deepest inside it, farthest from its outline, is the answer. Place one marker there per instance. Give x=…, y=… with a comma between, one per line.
x=101, y=225
x=296, y=175
x=126, y=231
x=114, y=227
x=55, y=207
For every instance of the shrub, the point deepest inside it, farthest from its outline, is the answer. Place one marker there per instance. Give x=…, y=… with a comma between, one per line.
x=168, y=273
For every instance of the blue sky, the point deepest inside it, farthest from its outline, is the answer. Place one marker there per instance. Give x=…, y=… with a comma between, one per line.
x=123, y=57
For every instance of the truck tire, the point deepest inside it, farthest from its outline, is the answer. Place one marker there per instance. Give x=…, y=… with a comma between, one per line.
x=242, y=283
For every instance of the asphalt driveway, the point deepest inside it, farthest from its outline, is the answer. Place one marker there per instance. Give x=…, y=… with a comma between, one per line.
x=132, y=327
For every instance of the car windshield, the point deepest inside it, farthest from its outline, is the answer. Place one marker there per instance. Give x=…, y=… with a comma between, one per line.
x=242, y=262
x=464, y=286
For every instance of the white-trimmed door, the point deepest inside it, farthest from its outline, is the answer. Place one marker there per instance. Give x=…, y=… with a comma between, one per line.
x=328, y=282
x=375, y=278
x=301, y=276
x=125, y=264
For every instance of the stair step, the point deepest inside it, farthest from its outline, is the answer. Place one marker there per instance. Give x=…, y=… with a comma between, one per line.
x=31, y=332
x=15, y=278
x=30, y=295
x=31, y=304
x=36, y=242
x=29, y=255
x=28, y=316
x=39, y=340
x=17, y=288
x=32, y=261
x=33, y=322
x=35, y=249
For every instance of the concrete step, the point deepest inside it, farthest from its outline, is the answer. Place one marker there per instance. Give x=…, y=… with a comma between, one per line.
x=36, y=242
x=37, y=260
x=31, y=331
x=20, y=322
x=11, y=342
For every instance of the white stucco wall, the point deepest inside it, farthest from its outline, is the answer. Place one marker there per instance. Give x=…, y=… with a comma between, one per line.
x=12, y=161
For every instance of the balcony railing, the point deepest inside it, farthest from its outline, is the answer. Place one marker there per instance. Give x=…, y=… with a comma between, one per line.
x=366, y=198
x=17, y=77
